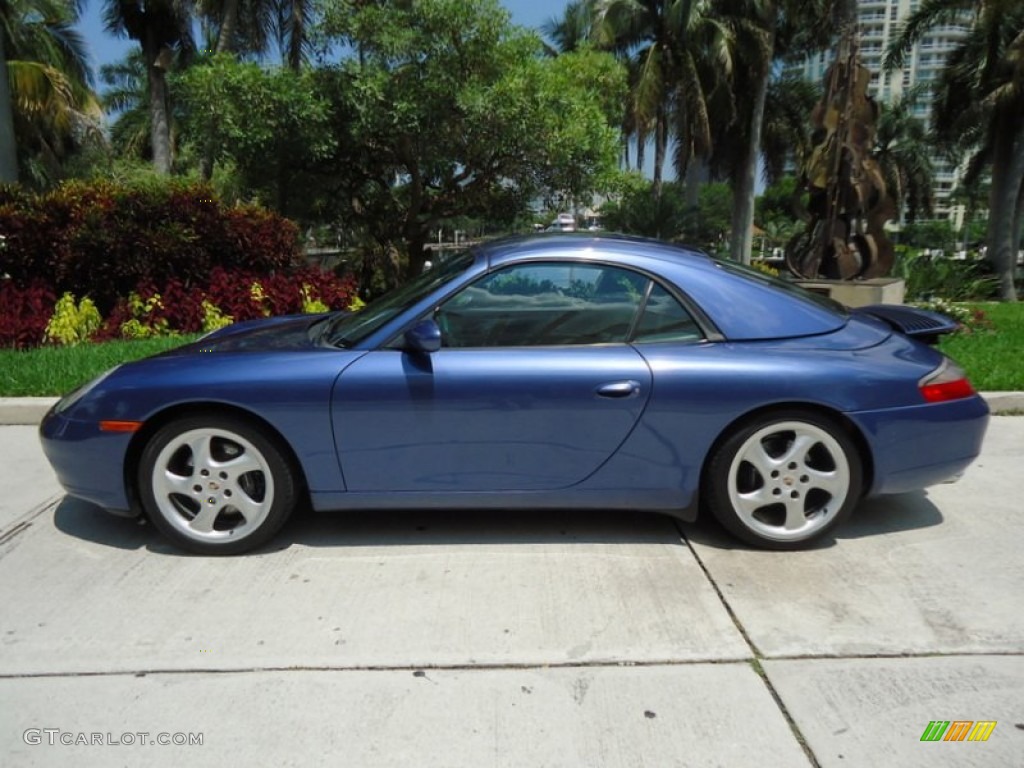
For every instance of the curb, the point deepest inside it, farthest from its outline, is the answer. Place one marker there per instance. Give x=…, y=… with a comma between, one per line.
x=24, y=410
x=29, y=411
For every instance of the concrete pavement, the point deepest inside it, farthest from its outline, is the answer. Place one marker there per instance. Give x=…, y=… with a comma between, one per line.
x=541, y=639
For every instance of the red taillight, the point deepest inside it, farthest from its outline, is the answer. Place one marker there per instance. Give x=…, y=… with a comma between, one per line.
x=947, y=382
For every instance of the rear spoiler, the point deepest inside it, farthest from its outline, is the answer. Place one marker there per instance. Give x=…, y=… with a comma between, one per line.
x=920, y=324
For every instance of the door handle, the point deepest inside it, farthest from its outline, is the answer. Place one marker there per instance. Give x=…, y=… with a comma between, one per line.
x=619, y=389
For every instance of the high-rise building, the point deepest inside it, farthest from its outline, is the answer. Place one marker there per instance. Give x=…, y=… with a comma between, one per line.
x=880, y=22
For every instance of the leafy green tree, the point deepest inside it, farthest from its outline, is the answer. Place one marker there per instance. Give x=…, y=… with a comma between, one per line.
x=776, y=202
x=455, y=112
x=246, y=27
x=635, y=210
x=933, y=235
x=47, y=104
x=272, y=124
x=979, y=109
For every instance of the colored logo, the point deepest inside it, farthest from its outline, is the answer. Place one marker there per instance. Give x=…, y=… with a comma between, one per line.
x=958, y=730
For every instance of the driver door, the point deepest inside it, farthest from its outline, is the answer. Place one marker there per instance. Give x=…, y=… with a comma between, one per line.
x=534, y=387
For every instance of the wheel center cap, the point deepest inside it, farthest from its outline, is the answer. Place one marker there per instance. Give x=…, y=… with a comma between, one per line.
x=787, y=480
x=214, y=487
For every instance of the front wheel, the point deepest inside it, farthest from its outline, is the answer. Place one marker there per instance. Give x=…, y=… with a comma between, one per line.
x=215, y=485
x=783, y=480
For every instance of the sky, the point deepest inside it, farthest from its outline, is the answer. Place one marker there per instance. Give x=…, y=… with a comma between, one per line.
x=106, y=48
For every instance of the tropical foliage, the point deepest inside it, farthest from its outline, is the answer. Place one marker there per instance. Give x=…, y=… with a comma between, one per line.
x=979, y=109
x=47, y=106
x=382, y=123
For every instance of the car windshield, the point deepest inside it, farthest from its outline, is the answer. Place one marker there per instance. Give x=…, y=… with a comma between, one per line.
x=783, y=285
x=349, y=329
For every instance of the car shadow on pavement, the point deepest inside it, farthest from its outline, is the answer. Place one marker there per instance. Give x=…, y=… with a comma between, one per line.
x=89, y=522
x=872, y=517
x=383, y=528
x=402, y=528
x=891, y=514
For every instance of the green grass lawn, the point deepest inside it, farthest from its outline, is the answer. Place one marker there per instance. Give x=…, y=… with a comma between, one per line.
x=56, y=370
x=993, y=359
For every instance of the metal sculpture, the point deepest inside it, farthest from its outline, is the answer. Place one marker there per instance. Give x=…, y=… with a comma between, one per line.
x=843, y=235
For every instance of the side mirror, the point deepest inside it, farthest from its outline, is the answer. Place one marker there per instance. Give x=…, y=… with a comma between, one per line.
x=423, y=337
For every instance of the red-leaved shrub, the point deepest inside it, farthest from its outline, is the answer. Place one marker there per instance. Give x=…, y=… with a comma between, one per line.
x=102, y=239
x=24, y=313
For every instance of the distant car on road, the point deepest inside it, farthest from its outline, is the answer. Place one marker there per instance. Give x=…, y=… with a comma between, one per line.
x=564, y=222
x=576, y=371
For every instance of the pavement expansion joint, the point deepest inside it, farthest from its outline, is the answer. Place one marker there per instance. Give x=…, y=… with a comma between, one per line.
x=26, y=521
x=757, y=656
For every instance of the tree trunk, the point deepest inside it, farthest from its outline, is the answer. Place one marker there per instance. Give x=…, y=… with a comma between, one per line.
x=741, y=242
x=1007, y=177
x=225, y=44
x=416, y=246
x=660, y=145
x=8, y=149
x=697, y=175
x=844, y=14
x=157, y=59
x=228, y=24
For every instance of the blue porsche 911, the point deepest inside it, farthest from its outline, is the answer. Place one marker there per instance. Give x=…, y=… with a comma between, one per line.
x=592, y=372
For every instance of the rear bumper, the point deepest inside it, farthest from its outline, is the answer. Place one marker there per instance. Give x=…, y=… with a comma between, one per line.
x=918, y=446
x=89, y=463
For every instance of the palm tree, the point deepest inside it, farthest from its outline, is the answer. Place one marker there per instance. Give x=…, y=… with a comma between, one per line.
x=785, y=128
x=572, y=29
x=766, y=32
x=979, y=108
x=46, y=100
x=126, y=95
x=680, y=56
x=248, y=26
x=903, y=150
x=162, y=29
x=8, y=151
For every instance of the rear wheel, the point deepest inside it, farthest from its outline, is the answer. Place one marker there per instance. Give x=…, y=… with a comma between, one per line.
x=785, y=479
x=215, y=485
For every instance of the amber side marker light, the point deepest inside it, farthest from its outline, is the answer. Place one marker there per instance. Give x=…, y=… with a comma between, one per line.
x=947, y=382
x=120, y=426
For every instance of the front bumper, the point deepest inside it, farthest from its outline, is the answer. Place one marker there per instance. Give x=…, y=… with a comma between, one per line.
x=918, y=446
x=89, y=463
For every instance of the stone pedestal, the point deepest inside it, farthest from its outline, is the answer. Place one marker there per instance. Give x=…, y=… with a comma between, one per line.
x=859, y=293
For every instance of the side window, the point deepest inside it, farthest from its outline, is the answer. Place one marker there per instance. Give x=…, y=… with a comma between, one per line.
x=665, y=319
x=544, y=305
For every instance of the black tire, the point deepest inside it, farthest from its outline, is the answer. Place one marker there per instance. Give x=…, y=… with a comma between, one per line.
x=240, y=494
x=783, y=480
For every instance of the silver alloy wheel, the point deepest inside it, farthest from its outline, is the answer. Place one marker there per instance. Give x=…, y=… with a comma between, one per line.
x=212, y=485
x=789, y=480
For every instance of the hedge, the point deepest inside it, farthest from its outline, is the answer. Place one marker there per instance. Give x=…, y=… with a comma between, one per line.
x=102, y=239
x=152, y=258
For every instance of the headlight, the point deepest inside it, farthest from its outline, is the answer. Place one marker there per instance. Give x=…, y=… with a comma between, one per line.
x=75, y=395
